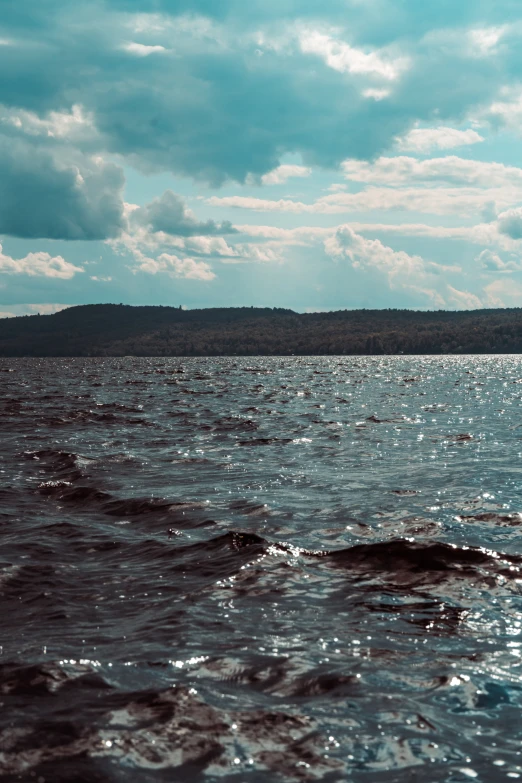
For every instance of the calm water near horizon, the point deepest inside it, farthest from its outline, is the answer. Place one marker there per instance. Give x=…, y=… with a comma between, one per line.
x=261, y=569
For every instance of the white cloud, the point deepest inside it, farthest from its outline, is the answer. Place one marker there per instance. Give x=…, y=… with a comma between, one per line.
x=503, y=293
x=423, y=140
x=141, y=243
x=492, y=262
x=152, y=248
x=228, y=253
x=152, y=251
x=440, y=186
x=142, y=50
x=411, y=272
x=303, y=235
x=484, y=40
x=436, y=201
x=347, y=243
x=283, y=173
x=401, y=269
x=507, y=111
x=184, y=29
x=484, y=234
x=38, y=265
x=452, y=169
x=174, y=266
x=74, y=125
x=344, y=58
x=480, y=234
x=202, y=246
x=265, y=253
x=376, y=93
x=186, y=267
x=463, y=300
x=260, y=204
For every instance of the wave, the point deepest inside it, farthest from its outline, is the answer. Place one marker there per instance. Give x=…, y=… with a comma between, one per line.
x=85, y=724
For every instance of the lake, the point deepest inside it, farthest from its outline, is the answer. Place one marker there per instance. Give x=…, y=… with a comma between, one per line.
x=261, y=569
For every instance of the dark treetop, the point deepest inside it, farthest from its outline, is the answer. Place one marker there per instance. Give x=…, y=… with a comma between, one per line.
x=121, y=330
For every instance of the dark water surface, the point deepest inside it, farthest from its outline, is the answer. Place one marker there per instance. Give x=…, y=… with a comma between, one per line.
x=261, y=569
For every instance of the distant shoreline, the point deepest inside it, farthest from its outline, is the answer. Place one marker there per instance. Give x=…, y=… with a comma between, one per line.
x=252, y=356
x=156, y=331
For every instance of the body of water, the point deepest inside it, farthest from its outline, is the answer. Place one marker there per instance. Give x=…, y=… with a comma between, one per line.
x=261, y=569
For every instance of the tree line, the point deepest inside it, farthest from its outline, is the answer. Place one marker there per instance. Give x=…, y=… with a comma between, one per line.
x=121, y=330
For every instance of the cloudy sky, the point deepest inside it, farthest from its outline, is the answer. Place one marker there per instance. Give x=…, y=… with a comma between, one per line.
x=313, y=154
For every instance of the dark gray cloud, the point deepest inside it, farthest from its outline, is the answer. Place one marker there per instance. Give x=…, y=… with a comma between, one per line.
x=43, y=197
x=228, y=101
x=169, y=214
x=219, y=98
x=224, y=116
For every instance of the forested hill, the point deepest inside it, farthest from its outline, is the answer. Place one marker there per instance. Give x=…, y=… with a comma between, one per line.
x=120, y=330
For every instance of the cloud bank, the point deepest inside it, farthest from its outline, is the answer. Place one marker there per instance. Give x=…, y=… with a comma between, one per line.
x=263, y=106
x=219, y=94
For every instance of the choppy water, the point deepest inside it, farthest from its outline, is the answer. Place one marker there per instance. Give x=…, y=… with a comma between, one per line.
x=261, y=569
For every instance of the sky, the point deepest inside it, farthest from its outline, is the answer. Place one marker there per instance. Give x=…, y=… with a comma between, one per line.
x=311, y=154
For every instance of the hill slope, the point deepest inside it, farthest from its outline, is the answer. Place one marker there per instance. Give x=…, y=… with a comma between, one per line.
x=120, y=330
